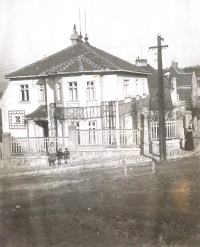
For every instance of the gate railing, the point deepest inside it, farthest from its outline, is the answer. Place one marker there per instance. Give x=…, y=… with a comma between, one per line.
x=170, y=128
x=36, y=144
x=107, y=138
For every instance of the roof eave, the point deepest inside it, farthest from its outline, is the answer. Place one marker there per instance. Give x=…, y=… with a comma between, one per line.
x=25, y=76
x=78, y=72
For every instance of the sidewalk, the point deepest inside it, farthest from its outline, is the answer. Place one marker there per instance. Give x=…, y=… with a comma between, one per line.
x=82, y=164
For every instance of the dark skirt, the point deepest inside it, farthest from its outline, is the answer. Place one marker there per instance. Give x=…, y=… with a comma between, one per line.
x=52, y=157
x=189, y=144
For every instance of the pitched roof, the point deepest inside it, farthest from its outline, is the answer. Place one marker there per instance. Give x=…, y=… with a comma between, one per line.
x=39, y=114
x=182, y=78
x=78, y=58
x=153, y=90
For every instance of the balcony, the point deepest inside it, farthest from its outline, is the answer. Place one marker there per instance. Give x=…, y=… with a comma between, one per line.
x=89, y=112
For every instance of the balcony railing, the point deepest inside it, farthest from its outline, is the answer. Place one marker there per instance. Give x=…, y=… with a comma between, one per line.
x=36, y=145
x=107, y=138
x=170, y=128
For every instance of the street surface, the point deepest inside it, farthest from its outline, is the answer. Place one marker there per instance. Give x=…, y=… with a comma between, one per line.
x=105, y=206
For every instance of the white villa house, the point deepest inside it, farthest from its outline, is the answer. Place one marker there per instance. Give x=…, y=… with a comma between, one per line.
x=81, y=90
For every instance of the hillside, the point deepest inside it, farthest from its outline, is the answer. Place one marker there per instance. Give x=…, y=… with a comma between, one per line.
x=192, y=68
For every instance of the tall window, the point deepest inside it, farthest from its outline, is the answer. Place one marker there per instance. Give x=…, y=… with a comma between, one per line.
x=24, y=90
x=73, y=95
x=126, y=88
x=41, y=92
x=90, y=90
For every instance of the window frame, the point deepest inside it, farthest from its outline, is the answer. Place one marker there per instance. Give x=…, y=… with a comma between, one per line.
x=126, y=88
x=73, y=90
x=90, y=91
x=42, y=93
x=24, y=93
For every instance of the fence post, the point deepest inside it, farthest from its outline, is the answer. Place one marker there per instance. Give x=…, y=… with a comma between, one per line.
x=145, y=138
x=6, y=143
x=72, y=136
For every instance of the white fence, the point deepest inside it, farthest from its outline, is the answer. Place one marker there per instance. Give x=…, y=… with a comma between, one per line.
x=84, y=138
x=36, y=145
x=170, y=127
x=107, y=138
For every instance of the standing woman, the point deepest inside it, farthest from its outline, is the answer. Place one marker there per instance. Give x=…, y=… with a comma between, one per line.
x=189, y=144
x=52, y=154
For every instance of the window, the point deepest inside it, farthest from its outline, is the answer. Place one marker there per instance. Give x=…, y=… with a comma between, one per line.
x=58, y=92
x=92, y=135
x=24, y=90
x=90, y=90
x=126, y=88
x=16, y=119
x=73, y=90
x=41, y=92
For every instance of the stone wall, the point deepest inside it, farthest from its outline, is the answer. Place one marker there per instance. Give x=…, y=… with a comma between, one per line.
x=75, y=155
x=170, y=146
x=79, y=154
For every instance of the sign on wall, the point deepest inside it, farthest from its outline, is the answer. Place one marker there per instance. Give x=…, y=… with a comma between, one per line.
x=16, y=119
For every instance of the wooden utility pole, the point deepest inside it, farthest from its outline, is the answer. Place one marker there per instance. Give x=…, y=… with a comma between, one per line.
x=161, y=95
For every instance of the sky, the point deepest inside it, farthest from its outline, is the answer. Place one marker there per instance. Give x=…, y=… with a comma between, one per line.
x=33, y=29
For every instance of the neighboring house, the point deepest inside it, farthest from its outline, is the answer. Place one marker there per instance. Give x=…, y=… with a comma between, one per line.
x=185, y=93
x=153, y=87
x=172, y=139
x=79, y=85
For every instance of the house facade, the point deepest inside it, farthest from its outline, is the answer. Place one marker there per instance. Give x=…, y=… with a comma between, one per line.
x=172, y=129
x=185, y=96
x=80, y=86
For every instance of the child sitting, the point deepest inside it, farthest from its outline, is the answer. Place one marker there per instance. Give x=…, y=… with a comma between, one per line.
x=66, y=155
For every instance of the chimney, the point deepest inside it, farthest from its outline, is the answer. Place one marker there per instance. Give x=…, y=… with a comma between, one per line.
x=140, y=62
x=74, y=37
x=174, y=64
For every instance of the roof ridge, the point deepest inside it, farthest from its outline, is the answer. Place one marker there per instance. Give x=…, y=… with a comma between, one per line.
x=103, y=58
x=43, y=59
